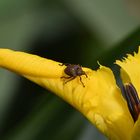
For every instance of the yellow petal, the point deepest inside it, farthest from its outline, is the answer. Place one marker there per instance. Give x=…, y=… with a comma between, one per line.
x=130, y=70
x=100, y=100
x=27, y=64
x=136, y=130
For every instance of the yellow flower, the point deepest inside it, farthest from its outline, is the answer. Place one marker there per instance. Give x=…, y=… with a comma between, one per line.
x=130, y=73
x=96, y=96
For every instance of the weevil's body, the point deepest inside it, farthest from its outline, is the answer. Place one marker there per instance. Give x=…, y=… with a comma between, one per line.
x=73, y=70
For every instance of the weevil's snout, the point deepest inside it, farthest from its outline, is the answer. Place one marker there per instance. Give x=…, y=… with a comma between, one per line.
x=132, y=99
x=84, y=73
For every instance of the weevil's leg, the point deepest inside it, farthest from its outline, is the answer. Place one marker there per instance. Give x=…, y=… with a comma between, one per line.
x=86, y=75
x=70, y=79
x=66, y=77
x=81, y=81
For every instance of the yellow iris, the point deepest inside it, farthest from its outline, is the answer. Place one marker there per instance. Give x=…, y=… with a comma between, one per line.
x=101, y=100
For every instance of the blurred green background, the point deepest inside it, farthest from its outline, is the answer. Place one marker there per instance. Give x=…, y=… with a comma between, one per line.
x=71, y=31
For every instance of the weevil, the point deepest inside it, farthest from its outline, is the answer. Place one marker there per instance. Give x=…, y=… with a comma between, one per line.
x=73, y=70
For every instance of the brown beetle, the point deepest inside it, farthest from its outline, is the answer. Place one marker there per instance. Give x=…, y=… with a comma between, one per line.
x=73, y=70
